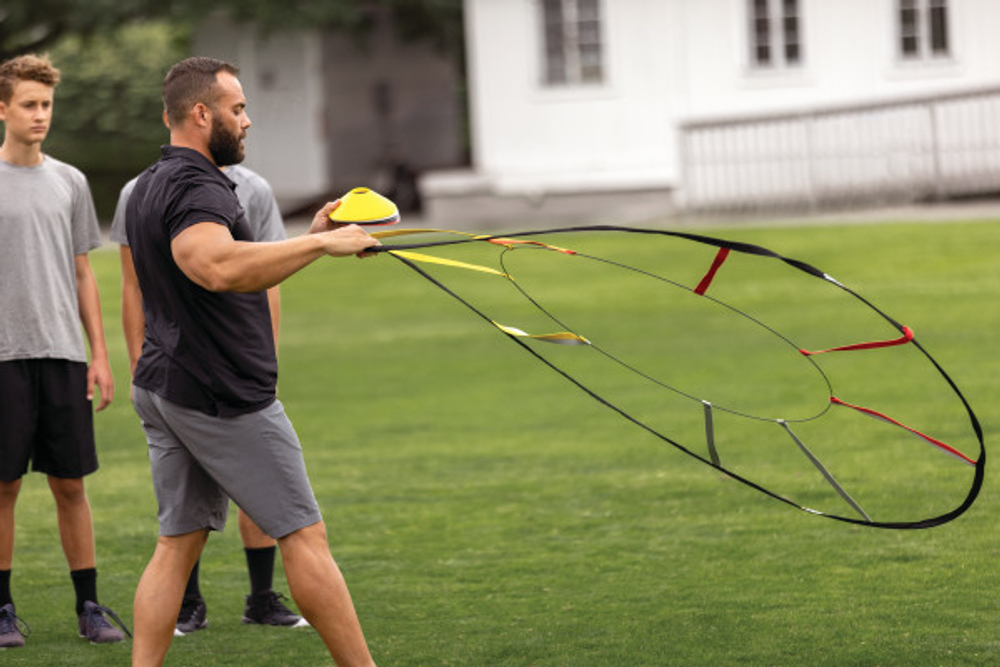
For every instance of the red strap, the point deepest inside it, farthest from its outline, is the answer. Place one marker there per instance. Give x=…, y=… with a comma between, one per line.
x=905, y=338
x=878, y=415
x=720, y=257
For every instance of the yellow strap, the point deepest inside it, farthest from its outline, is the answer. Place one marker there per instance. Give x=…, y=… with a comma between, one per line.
x=499, y=240
x=561, y=338
x=388, y=233
x=431, y=259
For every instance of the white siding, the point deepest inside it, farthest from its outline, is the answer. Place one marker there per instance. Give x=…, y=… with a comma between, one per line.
x=281, y=77
x=671, y=61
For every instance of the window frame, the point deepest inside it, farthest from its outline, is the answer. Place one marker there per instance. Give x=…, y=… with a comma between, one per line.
x=931, y=24
x=572, y=47
x=775, y=41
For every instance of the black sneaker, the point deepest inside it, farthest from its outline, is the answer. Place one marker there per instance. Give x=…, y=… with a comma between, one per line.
x=95, y=628
x=192, y=616
x=267, y=609
x=13, y=630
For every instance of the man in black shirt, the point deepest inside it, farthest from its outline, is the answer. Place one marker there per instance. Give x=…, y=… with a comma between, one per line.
x=204, y=385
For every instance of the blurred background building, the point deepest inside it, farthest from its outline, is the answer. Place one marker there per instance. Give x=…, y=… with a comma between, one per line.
x=632, y=109
x=708, y=105
x=332, y=110
x=489, y=111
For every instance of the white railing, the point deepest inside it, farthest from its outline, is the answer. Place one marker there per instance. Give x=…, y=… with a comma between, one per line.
x=893, y=151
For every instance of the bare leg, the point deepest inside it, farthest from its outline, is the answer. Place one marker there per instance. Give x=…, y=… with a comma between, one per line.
x=321, y=594
x=8, y=498
x=158, y=596
x=76, y=526
x=253, y=537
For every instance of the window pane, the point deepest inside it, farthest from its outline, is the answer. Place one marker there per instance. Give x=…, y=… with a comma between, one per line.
x=793, y=51
x=590, y=33
x=909, y=29
x=762, y=54
x=588, y=10
x=552, y=11
x=555, y=71
x=939, y=30
x=591, y=70
x=572, y=35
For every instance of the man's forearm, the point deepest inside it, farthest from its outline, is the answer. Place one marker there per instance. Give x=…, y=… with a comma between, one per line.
x=89, y=304
x=209, y=256
x=133, y=319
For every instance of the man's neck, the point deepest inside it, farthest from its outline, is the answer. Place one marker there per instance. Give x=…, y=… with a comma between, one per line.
x=21, y=155
x=182, y=140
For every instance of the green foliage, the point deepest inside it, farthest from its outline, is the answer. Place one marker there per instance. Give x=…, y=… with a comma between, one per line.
x=108, y=108
x=37, y=25
x=111, y=83
x=485, y=512
x=114, y=53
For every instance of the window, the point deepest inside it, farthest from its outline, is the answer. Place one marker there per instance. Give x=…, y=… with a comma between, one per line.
x=923, y=29
x=775, y=33
x=572, y=37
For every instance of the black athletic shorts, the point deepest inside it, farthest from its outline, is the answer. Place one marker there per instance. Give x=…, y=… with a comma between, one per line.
x=45, y=418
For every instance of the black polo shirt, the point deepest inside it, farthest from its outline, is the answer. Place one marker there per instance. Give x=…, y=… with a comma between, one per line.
x=211, y=351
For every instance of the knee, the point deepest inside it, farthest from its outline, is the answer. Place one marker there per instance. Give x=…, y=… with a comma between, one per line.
x=68, y=492
x=9, y=492
x=180, y=550
x=314, y=535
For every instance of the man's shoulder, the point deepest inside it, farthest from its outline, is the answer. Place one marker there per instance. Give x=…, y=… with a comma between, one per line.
x=179, y=173
x=64, y=170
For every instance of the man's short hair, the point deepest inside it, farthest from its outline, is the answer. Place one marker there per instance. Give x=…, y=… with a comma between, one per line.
x=192, y=81
x=26, y=68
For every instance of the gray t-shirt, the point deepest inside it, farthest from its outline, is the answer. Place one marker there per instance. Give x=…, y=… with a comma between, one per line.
x=47, y=218
x=255, y=197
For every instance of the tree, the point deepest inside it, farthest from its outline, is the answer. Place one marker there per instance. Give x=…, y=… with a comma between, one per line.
x=114, y=53
x=40, y=24
x=108, y=104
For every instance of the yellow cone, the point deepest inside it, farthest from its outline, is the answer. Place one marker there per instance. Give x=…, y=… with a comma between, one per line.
x=363, y=206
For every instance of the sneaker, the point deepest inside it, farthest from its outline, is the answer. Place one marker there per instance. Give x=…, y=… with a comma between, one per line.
x=192, y=616
x=267, y=609
x=13, y=630
x=95, y=627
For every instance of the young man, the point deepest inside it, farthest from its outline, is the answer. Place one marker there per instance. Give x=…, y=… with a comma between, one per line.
x=263, y=605
x=204, y=385
x=47, y=289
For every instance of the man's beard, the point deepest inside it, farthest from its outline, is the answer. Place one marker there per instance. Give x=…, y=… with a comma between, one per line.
x=223, y=146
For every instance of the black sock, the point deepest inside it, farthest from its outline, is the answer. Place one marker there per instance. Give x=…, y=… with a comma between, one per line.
x=260, y=564
x=193, y=590
x=5, y=597
x=85, y=584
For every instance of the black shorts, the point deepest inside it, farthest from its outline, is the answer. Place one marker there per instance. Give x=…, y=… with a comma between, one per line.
x=45, y=418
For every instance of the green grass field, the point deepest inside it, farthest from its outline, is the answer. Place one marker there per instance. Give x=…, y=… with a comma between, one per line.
x=487, y=513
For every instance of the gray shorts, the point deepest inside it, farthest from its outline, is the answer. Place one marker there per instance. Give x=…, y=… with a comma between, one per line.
x=199, y=462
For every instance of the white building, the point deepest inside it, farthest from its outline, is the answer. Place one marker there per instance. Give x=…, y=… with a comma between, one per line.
x=577, y=105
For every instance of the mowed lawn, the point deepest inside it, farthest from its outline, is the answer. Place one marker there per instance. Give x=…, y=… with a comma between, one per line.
x=488, y=513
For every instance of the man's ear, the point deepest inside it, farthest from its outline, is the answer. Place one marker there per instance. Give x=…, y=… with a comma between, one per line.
x=3, y=110
x=201, y=115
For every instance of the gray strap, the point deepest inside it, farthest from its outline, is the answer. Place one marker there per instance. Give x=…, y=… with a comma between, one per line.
x=819, y=466
x=710, y=434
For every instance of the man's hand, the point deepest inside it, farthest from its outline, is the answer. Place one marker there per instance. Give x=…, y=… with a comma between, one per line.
x=321, y=221
x=348, y=240
x=99, y=374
